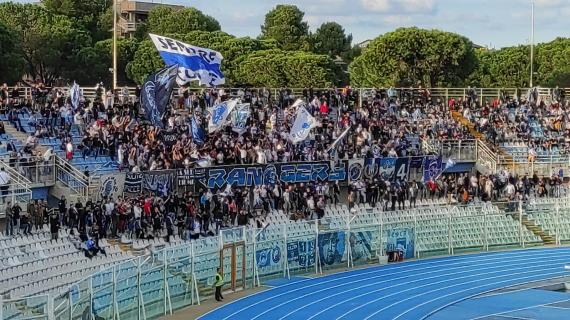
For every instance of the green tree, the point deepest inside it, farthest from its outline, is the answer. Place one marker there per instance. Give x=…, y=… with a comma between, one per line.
x=166, y=20
x=49, y=42
x=285, y=25
x=294, y=69
x=330, y=39
x=553, y=63
x=507, y=67
x=407, y=56
x=99, y=58
x=89, y=13
x=12, y=66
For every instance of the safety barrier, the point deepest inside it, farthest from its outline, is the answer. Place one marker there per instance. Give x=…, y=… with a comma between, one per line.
x=18, y=189
x=175, y=277
x=483, y=94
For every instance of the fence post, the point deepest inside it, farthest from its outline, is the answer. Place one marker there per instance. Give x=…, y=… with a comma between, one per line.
x=520, y=224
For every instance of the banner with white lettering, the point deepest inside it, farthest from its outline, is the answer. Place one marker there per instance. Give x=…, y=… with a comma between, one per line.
x=133, y=182
x=194, y=63
x=159, y=181
x=402, y=169
x=256, y=175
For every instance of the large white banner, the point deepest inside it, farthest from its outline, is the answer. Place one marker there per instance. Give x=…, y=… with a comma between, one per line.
x=194, y=63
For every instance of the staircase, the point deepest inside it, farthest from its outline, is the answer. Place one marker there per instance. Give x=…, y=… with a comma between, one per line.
x=531, y=226
x=508, y=159
x=22, y=136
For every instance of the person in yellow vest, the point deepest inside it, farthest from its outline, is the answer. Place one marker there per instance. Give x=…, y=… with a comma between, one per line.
x=219, y=283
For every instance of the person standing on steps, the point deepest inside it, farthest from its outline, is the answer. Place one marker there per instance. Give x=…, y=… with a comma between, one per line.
x=219, y=283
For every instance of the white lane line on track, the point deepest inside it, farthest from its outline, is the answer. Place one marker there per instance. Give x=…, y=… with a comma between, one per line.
x=446, y=273
x=460, y=284
x=428, y=284
x=351, y=298
x=488, y=256
x=502, y=314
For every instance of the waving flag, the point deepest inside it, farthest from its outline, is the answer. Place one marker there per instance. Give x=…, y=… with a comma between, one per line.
x=449, y=164
x=297, y=103
x=303, y=124
x=155, y=94
x=74, y=94
x=239, y=118
x=219, y=113
x=198, y=135
x=194, y=63
x=339, y=139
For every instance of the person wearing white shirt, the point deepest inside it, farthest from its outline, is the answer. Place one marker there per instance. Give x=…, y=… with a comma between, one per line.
x=4, y=183
x=69, y=151
x=311, y=207
x=78, y=121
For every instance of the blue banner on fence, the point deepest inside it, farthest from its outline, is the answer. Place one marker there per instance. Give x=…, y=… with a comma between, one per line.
x=255, y=175
x=268, y=257
x=361, y=245
x=401, y=239
x=416, y=162
x=402, y=168
x=432, y=167
x=133, y=182
x=332, y=247
x=301, y=253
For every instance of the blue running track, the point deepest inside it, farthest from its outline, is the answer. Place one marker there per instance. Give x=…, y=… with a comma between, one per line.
x=410, y=290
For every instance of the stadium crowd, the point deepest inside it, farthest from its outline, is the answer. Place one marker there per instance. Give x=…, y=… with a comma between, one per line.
x=384, y=124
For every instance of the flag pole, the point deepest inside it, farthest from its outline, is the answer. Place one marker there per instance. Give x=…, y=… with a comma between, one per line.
x=531, y=43
x=114, y=45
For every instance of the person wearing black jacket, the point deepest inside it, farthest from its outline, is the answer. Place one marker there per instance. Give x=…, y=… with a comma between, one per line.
x=54, y=225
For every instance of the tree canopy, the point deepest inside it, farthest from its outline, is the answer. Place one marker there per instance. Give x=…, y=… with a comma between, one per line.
x=163, y=20
x=48, y=41
x=71, y=40
x=330, y=39
x=285, y=25
x=409, y=56
x=11, y=68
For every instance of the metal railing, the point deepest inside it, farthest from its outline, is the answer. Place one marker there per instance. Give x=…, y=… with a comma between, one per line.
x=72, y=178
x=483, y=94
x=18, y=189
x=458, y=150
x=37, y=170
x=173, y=278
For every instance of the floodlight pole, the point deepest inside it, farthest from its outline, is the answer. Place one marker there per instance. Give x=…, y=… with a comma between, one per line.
x=531, y=43
x=114, y=45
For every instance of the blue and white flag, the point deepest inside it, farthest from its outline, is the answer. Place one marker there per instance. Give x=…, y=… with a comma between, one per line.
x=155, y=94
x=198, y=135
x=303, y=124
x=449, y=164
x=219, y=113
x=432, y=167
x=74, y=94
x=239, y=118
x=194, y=63
x=342, y=135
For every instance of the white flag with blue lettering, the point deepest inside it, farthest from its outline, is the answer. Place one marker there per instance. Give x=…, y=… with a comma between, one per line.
x=194, y=63
x=303, y=124
x=74, y=94
x=219, y=113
